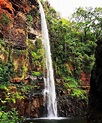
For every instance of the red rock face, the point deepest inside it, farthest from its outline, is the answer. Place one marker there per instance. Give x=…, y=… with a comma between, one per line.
x=15, y=12
x=13, y=31
x=12, y=5
x=85, y=78
x=6, y=5
x=6, y=8
x=13, y=21
x=85, y=81
x=14, y=34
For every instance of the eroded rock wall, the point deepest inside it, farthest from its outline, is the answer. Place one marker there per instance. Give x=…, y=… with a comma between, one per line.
x=19, y=27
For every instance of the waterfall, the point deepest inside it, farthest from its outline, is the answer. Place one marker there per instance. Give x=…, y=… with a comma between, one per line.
x=49, y=91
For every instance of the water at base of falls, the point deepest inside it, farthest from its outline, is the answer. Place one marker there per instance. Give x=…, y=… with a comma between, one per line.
x=58, y=120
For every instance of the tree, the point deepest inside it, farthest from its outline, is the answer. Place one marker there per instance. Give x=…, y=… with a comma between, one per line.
x=89, y=21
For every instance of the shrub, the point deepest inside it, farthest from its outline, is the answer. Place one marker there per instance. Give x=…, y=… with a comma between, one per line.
x=29, y=19
x=6, y=72
x=9, y=116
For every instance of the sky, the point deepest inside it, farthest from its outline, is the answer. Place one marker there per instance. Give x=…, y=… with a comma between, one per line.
x=67, y=7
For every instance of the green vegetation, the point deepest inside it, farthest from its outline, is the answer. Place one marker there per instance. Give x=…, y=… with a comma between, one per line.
x=37, y=57
x=72, y=85
x=29, y=19
x=2, y=47
x=6, y=72
x=9, y=116
x=4, y=19
x=73, y=44
x=69, y=49
x=11, y=94
x=36, y=73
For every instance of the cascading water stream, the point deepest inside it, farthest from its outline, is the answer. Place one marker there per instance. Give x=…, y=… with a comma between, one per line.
x=49, y=91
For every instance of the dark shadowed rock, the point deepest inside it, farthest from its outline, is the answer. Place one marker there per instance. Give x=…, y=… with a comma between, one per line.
x=95, y=93
x=69, y=106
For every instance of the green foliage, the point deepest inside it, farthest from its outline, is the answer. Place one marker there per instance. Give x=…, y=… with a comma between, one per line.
x=73, y=85
x=9, y=116
x=73, y=45
x=2, y=43
x=67, y=47
x=17, y=52
x=36, y=53
x=26, y=88
x=78, y=93
x=29, y=19
x=6, y=72
x=11, y=95
x=35, y=73
x=38, y=43
x=3, y=87
x=89, y=21
x=70, y=82
x=4, y=19
x=24, y=70
x=2, y=47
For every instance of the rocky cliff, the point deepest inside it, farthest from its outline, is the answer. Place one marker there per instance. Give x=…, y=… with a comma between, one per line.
x=95, y=93
x=20, y=52
x=21, y=63
x=19, y=29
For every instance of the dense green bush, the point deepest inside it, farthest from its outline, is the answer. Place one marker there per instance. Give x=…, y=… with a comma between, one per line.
x=9, y=116
x=29, y=19
x=67, y=45
x=73, y=85
x=73, y=43
x=6, y=72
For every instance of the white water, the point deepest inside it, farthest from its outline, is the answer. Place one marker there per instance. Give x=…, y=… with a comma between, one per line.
x=49, y=91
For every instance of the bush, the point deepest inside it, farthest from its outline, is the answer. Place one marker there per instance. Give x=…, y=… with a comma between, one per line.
x=72, y=84
x=9, y=116
x=6, y=72
x=35, y=73
x=29, y=19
